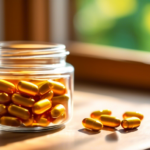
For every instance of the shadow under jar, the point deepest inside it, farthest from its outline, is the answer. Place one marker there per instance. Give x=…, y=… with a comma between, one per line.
x=36, y=86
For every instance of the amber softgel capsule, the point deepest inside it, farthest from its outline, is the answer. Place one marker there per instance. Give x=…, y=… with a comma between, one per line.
x=92, y=124
x=4, y=98
x=23, y=101
x=96, y=114
x=27, y=88
x=109, y=121
x=129, y=114
x=41, y=106
x=131, y=123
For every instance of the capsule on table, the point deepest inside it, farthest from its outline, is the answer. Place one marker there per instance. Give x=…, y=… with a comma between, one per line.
x=92, y=124
x=129, y=114
x=28, y=122
x=27, y=88
x=48, y=95
x=19, y=112
x=130, y=123
x=59, y=120
x=4, y=98
x=7, y=87
x=58, y=88
x=57, y=111
x=96, y=114
x=41, y=106
x=10, y=121
x=109, y=121
x=23, y=101
x=3, y=109
x=44, y=87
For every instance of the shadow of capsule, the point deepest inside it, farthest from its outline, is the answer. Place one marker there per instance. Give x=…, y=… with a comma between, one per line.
x=125, y=131
x=109, y=129
x=113, y=137
x=7, y=137
x=89, y=132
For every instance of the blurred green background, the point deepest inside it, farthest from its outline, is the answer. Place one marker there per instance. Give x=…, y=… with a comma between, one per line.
x=120, y=23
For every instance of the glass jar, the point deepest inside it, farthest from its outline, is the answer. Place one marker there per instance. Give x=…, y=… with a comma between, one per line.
x=36, y=86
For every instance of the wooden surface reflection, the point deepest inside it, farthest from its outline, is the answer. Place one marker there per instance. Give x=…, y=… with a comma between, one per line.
x=74, y=136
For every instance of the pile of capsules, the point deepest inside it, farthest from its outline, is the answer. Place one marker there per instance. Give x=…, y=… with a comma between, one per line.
x=33, y=104
x=102, y=118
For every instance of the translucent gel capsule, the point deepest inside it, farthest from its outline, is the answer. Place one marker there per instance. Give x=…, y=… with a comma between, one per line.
x=109, y=121
x=57, y=111
x=58, y=88
x=129, y=114
x=44, y=87
x=20, y=100
x=4, y=98
x=28, y=122
x=7, y=87
x=3, y=109
x=130, y=123
x=92, y=124
x=48, y=95
x=43, y=122
x=62, y=99
x=59, y=120
x=27, y=88
x=96, y=114
x=10, y=121
x=19, y=112
x=41, y=106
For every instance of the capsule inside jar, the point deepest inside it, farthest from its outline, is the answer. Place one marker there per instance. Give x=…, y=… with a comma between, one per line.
x=4, y=98
x=130, y=123
x=27, y=88
x=19, y=112
x=96, y=114
x=57, y=111
x=109, y=121
x=92, y=124
x=23, y=101
x=3, y=109
x=10, y=121
x=7, y=87
x=59, y=120
x=58, y=88
x=48, y=95
x=41, y=106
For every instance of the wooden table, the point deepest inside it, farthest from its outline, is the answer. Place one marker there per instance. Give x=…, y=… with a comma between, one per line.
x=86, y=99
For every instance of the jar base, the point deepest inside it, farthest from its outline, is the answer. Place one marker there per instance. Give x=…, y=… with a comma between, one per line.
x=31, y=129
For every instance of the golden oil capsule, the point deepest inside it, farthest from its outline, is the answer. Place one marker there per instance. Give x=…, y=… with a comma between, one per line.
x=41, y=106
x=27, y=88
x=57, y=111
x=96, y=114
x=129, y=114
x=43, y=122
x=7, y=87
x=10, y=121
x=4, y=98
x=58, y=88
x=28, y=122
x=3, y=109
x=61, y=98
x=19, y=112
x=92, y=124
x=20, y=100
x=109, y=121
x=44, y=87
x=130, y=123
x=48, y=95
x=60, y=119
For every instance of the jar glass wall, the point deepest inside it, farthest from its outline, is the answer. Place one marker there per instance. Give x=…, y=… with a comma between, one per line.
x=36, y=86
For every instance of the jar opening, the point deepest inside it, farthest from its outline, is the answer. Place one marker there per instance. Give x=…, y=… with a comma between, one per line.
x=21, y=54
